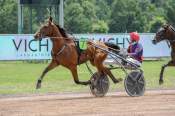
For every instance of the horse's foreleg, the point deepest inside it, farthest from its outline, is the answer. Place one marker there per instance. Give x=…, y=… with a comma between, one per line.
x=170, y=63
x=75, y=76
x=161, y=74
x=51, y=66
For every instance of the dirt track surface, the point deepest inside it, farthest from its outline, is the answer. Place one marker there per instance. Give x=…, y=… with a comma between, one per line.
x=153, y=103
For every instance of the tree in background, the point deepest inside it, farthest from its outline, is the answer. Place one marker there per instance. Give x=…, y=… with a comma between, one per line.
x=126, y=16
x=100, y=27
x=156, y=23
x=87, y=16
x=153, y=14
x=170, y=15
x=79, y=16
x=95, y=16
x=8, y=17
x=103, y=10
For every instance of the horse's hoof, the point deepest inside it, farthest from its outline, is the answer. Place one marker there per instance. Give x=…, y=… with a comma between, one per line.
x=118, y=80
x=88, y=82
x=38, y=85
x=160, y=82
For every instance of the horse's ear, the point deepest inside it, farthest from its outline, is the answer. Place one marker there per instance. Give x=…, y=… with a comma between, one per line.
x=50, y=20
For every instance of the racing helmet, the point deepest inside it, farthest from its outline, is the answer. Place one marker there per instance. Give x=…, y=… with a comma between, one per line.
x=134, y=36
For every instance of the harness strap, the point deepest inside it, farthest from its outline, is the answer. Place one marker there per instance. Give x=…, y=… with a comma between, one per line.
x=172, y=41
x=59, y=52
x=79, y=51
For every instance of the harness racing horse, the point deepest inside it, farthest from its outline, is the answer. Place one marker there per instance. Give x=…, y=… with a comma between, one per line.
x=166, y=32
x=64, y=52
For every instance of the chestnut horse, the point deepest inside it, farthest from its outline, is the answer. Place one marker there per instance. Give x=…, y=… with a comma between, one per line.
x=166, y=32
x=64, y=53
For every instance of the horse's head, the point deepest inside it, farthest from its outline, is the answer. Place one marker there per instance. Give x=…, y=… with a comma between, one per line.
x=47, y=30
x=164, y=33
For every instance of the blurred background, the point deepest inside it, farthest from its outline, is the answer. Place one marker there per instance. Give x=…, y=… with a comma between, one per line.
x=88, y=16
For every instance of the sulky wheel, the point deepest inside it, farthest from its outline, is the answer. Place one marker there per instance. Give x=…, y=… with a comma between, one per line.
x=99, y=84
x=135, y=83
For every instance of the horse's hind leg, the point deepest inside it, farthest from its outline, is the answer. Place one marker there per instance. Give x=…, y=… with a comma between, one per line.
x=51, y=66
x=109, y=73
x=98, y=61
x=75, y=76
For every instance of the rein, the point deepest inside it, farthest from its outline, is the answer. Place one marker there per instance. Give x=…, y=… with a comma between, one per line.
x=89, y=41
x=64, y=46
x=168, y=43
x=106, y=46
x=53, y=37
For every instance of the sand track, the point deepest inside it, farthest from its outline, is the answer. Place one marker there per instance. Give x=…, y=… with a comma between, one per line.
x=155, y=103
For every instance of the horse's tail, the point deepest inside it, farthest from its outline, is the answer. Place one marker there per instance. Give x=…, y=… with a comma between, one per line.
x=90, y=42
x=112, y=47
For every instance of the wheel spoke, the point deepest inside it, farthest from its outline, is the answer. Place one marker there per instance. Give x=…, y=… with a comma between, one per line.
x=138, y=76
x=139, y=89
x=131, y=77
x=141, y=82
x=105, y=81
x=129, y=83
x=133, y=89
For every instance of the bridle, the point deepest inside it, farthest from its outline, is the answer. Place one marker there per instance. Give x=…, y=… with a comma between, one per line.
x=172, y=39
x=168, y=41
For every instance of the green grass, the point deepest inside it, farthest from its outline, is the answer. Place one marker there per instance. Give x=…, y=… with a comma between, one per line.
x=20, y=78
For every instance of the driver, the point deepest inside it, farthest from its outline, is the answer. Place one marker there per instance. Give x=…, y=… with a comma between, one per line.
x=135, y=49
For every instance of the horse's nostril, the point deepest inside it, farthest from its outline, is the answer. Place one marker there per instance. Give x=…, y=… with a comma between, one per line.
x=35, y=36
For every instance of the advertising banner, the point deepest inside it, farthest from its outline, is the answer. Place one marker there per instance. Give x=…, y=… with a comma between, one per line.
x=23, y=47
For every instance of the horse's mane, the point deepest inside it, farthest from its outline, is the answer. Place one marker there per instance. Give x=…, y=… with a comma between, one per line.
x=62, y=31
x=165, y=26
x=172, y=28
